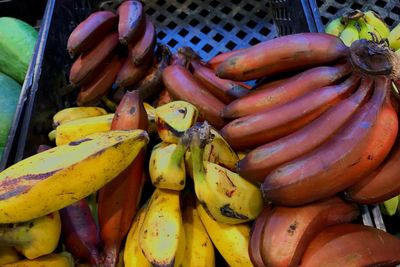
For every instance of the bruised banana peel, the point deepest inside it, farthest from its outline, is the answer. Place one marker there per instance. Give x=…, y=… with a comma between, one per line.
x=58, y=177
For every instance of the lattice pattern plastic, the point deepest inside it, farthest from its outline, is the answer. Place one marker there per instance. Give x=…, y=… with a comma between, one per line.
x=211, y=26
x=388, y=9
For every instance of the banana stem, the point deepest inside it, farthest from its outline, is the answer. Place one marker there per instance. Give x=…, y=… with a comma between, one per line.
x=200, y=136
x=14, y=236
x=180, y=150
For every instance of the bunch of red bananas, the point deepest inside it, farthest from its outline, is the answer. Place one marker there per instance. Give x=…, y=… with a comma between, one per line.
x=321, y=121
x=116, y=50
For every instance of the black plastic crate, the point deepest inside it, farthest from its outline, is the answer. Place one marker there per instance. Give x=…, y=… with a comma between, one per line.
x=31, y=12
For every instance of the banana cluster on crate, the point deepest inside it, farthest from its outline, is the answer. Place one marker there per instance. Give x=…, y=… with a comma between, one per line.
x=268, y=175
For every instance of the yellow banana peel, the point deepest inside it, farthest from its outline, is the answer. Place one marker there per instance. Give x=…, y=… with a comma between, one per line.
x=63, y=259
x=74, y=113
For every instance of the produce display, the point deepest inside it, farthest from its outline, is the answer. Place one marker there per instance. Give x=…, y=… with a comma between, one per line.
x=164, y=159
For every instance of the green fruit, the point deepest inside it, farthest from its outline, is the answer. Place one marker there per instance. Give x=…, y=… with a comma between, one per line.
x=17, y=43
x=389, y=207
x=9, y=91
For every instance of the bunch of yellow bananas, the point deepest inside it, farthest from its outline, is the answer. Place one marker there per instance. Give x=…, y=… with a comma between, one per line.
x=358, y=25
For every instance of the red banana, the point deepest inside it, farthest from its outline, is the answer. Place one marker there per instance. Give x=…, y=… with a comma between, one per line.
x=131, y=20
x=80, y=234
x=119, y=199
x=352, y=245
x=88, y=64
x=337, y=164
x=145, y=45
x=181, y=84
x=271, y=124
x=288, y=230
x=90, y=31
x=152, y=84
x=91, y=93
x=224, y=90
x=256, y=235
x=380, y=185
x=218, y=59
x=285, y=53
x=269, y=96
x=130, y=74
x=262, y=160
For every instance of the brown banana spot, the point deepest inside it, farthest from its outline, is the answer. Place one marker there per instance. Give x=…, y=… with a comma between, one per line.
x=75, y=143
x=15, y=191
x=132, y=110
x=158, y=181
x=292, y=228
x=227, y=211
x=182, y=182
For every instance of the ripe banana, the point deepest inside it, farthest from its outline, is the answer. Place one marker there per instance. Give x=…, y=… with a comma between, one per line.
x=259, y=162
x=269, y=96
x=87, y=66
x=151, y=117
x=336, y=26
x=288, y=230
x=232, y=241
x=79, y=128
x=80, y=233
x=74, y=113
x=90, y=31
x=199, y=248
x=173, y=119
x=226, y=196
x=367, y=31
x=217, y=151
x=350, y=33
x=162, y=236
x=92, y=93
x=119, y=199
x=144, y=47
x=133, y=255
x=389, y=207
x=394, y=38
x=131, y=21
x=8, y=255
x=352, y=245
x=256, y=234
x=63, y=259
x=167, y=167
x=60, y=176
x=33, y=238
x=305, y=179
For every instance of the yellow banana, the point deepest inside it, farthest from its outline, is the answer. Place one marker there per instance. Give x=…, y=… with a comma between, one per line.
x=52, y=135
x=367, y=30
x=60, y=176
x=336, y=26
x=241, y=154
x=8, y=255
x=151, y=116
x=350, y=33
x=77, y=129
x=380, y=26
x=394, y=37
x=174, y=118
x=389, y=207
x=70, y=114
x=199, y=248
x=217, y=151
x=133, y=255
x=63, y=259
x=162, y=237
x=232, y=241
x=167, y=165
x=226, y=196
x=34, y=238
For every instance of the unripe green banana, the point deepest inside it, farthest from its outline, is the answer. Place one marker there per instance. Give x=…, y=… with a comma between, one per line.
x=335, y=26
x=367, y=30
x=389, y=207
x=226, y=196
x=380, y=26
x=58, y=177
x=394, y=38
x=350, y=33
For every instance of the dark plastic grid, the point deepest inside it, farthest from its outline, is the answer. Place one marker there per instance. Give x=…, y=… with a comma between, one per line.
x=388, y=9
x=211, y=26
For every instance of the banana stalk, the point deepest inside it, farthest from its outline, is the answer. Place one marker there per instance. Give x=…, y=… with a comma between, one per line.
x=119, y=199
